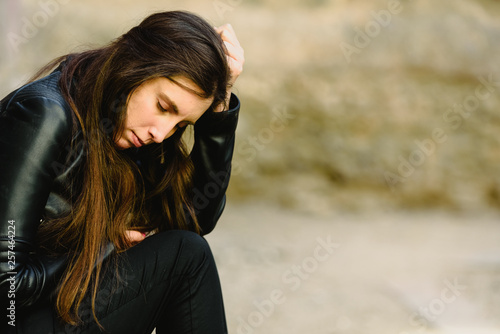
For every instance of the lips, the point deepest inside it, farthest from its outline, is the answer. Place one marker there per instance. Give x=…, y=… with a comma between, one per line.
x=136, y=140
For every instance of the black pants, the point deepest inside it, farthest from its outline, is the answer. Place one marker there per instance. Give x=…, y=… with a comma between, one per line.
x=169, y=282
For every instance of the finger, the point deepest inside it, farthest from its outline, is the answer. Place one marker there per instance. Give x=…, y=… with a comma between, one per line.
x=227, y=34
x=228, y=30
x=229, y=27
x=226, y=26
x=235, y=52
x=229, y=37
x=236, y=69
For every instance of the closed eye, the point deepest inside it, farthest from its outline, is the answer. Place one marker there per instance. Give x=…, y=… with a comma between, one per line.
x=179, y=125
x=161, y=107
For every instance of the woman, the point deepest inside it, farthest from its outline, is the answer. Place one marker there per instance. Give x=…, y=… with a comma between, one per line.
x=101, y=206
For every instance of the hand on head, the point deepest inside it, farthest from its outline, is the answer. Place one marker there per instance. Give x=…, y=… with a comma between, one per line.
x=235, y=55
x=234, y=51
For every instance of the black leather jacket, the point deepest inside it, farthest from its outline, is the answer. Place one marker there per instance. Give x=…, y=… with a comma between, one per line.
x=36, y=129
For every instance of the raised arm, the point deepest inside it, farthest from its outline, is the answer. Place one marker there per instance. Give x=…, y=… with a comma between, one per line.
x=212, y=153
x=214, y=142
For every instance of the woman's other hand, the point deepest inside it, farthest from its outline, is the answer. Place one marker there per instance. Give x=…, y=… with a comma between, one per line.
x=235, y=56
x=135, y=236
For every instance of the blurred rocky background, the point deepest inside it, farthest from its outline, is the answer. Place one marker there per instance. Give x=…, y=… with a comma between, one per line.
x=348, y=105
x=375, y=122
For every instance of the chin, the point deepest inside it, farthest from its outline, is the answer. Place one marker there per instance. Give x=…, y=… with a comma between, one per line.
x=121, y=145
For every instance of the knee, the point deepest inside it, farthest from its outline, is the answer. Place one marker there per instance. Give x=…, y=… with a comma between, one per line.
x=194, y=246
x=192, y=252
x=193, y=243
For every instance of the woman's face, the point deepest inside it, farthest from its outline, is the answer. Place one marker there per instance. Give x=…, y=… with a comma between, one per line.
x=158, y=107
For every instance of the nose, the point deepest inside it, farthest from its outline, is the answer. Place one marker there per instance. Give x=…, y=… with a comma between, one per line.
x=160, y=132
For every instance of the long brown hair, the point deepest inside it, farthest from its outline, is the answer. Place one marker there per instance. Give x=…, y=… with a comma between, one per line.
x=112, y=196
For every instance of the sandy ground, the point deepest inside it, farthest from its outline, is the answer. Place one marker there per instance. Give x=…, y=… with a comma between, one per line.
x=401, y=273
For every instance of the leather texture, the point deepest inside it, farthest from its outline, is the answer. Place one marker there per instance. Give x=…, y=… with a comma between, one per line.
x=37, y=167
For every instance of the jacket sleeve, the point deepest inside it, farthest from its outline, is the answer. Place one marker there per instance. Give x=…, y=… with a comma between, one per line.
x=214, y=135
x=33, y=132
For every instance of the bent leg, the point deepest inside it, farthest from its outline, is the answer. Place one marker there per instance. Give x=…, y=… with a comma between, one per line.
x=168, y=281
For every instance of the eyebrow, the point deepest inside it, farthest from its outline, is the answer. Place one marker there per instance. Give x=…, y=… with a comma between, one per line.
x=173, y=105
x=170, y=102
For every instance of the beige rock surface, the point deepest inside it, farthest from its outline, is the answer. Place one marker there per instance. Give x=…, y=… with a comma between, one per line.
x=388, y=273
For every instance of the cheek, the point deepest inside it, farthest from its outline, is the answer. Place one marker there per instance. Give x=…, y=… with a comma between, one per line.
x=138, y=107
x=129, y=114
x=137, y=116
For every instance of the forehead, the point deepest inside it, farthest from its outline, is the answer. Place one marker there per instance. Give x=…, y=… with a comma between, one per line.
x=178, y=94
x=184, y=92
x=187, y=85
x=176, y=85
x=172, y=87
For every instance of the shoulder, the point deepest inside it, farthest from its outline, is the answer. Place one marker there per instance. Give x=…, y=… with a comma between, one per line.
x=38, y=107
